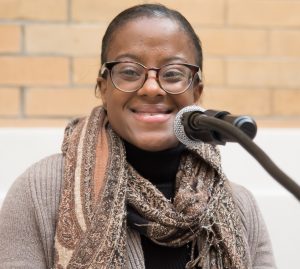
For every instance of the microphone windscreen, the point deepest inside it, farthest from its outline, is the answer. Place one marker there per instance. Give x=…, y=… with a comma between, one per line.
x=178, y=126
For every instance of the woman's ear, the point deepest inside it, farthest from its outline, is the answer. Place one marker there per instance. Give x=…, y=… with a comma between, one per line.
x=198, y=88
x=102, y=86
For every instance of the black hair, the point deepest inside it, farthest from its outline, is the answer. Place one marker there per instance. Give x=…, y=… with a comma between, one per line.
x=150, y=10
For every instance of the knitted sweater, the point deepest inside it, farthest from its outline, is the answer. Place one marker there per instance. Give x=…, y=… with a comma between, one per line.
x=29, y=212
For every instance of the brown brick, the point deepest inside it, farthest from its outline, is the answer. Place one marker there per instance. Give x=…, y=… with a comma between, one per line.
x=285, y=43
x=34, y=70
x=254, y=102
x=10, y=38
x=9, y=101
x=64, y=39
x=208, y=12
x=95, y=10
x=60, y=102
x=226, y=42
x=264, y=13
x=213, y=71
x=252, y=73
x=274, y=73
x=289, y=74
x=85, y=70
x=286, y=102
x=17, y=122
x=48, y=10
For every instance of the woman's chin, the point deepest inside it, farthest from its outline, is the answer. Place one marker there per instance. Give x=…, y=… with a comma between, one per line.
x=155, y=144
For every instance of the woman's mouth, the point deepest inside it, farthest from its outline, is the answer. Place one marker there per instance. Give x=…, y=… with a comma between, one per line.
x=151, y=114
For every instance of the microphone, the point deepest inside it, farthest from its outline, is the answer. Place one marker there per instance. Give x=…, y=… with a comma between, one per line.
x=190, y=129
x=193, y=125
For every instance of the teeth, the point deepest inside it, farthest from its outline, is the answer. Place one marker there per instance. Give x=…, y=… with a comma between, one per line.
x=150, y=113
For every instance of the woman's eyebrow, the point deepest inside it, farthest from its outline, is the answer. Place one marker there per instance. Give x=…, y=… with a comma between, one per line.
x=127, y=55
x=176, y=59
x=134, y=57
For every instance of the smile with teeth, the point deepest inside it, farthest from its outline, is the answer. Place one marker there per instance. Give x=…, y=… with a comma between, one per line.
x=151, y=113
x=151, y=116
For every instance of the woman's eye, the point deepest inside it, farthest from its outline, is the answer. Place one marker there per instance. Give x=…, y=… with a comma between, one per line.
x=173, y=75
x=131, y=73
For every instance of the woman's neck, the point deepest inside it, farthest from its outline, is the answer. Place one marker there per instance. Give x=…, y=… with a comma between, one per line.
x=159, y=167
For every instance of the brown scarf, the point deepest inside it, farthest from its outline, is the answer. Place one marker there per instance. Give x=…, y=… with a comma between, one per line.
x=98, y=183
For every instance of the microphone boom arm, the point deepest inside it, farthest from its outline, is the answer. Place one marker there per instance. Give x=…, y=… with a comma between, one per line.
x=264, y=160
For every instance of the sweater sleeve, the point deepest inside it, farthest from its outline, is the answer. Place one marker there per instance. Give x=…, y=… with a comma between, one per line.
x=27, y=217
x=255, y=228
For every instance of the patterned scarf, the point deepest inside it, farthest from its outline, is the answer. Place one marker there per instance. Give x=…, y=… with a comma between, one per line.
x=91, y=230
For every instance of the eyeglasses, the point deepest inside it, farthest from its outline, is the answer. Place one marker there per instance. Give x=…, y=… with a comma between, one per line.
x=130, y=76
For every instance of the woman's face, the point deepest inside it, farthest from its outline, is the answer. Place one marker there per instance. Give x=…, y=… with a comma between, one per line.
x=145, y=118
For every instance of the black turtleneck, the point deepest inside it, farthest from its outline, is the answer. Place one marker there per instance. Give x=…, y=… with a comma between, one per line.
x=160, y=168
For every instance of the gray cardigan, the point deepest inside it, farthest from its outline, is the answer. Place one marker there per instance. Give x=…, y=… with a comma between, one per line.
x=28, y=218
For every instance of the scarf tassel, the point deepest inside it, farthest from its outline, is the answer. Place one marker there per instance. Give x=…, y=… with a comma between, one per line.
x=208, y=257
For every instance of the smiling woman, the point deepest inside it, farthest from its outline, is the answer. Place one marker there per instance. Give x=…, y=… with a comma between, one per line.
x=125, y=193
x=144, y=117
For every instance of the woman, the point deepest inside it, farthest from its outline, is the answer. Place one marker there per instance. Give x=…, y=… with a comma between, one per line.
x=125, y=193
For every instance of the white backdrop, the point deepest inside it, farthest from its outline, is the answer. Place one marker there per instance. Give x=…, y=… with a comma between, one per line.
x=19, y=148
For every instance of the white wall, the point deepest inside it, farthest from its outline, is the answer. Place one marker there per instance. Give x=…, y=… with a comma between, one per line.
x=21, y=147
x=280, y=209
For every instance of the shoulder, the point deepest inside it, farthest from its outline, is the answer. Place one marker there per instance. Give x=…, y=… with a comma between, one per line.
x=254, y=228
x=41, y=185
x=43, y=181
x=45, y=173
x=29, y=211
x=37, y=191
x=248, y=209
x=46, y=167
x=245, y=200
x=39, y=177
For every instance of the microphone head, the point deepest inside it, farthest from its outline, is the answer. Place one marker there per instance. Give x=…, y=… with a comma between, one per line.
x=178, y=126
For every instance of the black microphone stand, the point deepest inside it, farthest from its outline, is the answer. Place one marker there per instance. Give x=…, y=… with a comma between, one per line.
x=237, y=135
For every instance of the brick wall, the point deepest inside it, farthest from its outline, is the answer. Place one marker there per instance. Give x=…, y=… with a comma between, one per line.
x=49, y=57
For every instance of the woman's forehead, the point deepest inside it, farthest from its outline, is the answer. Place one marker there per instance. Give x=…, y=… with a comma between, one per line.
x=148, y=26
x=158, y=36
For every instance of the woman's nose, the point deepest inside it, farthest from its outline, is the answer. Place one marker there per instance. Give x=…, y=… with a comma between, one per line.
x=151, y=86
